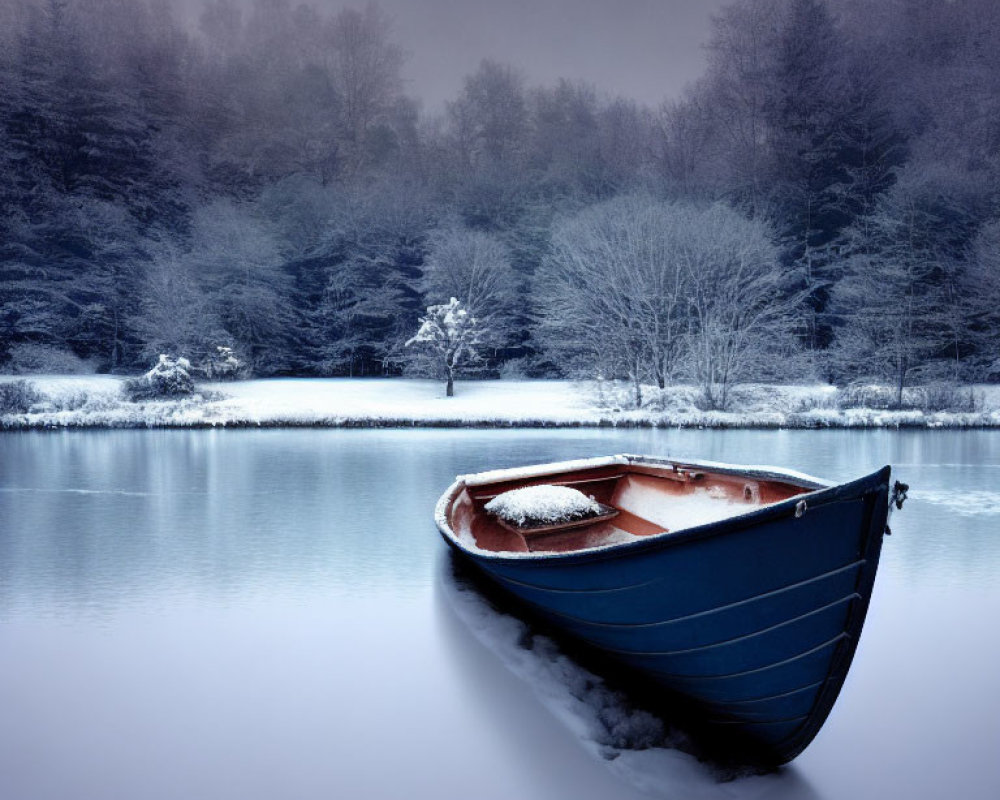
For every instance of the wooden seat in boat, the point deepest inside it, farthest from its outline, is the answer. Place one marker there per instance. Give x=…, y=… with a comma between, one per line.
x=607, y=512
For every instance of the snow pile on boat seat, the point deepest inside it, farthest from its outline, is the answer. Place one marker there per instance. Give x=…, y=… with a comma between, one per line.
x=543, y=505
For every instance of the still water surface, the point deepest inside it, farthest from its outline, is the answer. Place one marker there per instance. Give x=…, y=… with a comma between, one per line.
x=263, y=614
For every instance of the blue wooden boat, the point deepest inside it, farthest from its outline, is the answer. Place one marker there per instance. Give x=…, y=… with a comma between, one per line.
x=739, y=593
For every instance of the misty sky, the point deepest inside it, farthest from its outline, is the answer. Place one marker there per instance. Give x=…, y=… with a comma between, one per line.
x=643, y=49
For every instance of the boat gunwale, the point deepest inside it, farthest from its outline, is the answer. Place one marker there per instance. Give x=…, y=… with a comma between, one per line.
x=822, y=491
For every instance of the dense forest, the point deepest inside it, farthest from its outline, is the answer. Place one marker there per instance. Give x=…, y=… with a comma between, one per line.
x=824, y=203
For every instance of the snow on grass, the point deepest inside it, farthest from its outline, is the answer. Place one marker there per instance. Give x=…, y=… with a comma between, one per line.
x=99, y=401
x=345, y=400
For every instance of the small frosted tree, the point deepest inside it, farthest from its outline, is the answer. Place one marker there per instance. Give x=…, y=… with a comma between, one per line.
x=169, y=377
x=448, y=337
x=474, y=267
x=222, y=364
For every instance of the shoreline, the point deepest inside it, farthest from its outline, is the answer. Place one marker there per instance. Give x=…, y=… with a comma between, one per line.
x=97, y=403
x=6, y=427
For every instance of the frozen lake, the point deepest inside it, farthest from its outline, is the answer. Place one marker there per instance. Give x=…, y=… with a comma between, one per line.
x=262, y=614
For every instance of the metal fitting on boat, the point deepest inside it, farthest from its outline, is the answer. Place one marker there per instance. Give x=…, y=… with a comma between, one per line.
x=899, y=491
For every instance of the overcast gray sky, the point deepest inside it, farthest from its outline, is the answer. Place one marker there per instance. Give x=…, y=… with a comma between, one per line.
x=645, y=49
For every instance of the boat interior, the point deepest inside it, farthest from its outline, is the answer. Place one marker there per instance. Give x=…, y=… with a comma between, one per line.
x=649, y=500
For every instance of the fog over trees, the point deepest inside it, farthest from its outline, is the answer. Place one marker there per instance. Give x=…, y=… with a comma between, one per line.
x=825, y=198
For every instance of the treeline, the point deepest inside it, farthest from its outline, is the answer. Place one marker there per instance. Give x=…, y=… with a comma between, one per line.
x=824, y=202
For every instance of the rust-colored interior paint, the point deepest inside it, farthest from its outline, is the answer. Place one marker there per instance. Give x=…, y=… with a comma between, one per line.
x=625, y=488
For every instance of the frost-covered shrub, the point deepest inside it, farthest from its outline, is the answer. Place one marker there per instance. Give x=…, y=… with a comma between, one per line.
x=947, y=397
x=514, y=370
x=534, y=366
x=610, y=395
x=17, y=397
x=70, y=399
x=222, y=365
x=939, y=396
x=822, y=401
x=677, y=399
x=858, y=395
x=755, y=397
x=170, y=377
x=990, y=371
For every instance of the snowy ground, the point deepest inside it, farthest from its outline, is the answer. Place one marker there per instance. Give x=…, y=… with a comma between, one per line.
x=97, y=401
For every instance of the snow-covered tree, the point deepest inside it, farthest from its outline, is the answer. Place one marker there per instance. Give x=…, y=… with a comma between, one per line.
x=169, y=377
x=894, y=300
x=474, y=267
x=369, y=302
x=173, y=315
x=565, y=145
x=645, y=289
x=222, y=364
x=981, y=291
x=367, y=78
x=612, y=289
x=742, y=307
x=239, y=262
x=489, y=119
x=449, y=336
x=717, y=140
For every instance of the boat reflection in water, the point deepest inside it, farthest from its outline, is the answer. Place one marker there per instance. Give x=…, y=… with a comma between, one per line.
x=494, y=644
x=732, y=596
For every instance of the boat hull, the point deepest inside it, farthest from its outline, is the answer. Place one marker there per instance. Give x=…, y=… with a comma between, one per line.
x=750, y=623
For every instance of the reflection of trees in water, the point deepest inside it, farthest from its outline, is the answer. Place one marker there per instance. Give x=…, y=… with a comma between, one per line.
x=100, y=520
x=639, y=747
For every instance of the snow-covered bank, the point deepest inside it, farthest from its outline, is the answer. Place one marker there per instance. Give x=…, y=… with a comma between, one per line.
x=98, y=401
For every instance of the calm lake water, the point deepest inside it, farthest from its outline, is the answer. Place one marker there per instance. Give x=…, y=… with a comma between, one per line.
x=264, y=614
